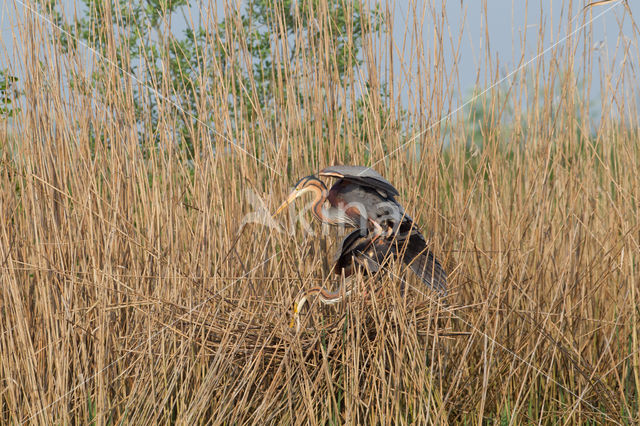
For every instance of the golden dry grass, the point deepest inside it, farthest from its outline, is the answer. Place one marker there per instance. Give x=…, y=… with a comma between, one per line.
x=129, y=294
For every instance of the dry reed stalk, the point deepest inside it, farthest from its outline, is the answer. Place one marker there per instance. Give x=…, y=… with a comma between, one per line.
x=128, y=294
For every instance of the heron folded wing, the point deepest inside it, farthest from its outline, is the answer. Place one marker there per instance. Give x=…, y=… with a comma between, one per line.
x=364, y=176
x=362, y=249
x=359, y=249
x=414, y=253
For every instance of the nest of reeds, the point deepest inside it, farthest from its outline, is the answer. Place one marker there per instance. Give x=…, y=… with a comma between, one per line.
x=246, y=329
x=347, y=350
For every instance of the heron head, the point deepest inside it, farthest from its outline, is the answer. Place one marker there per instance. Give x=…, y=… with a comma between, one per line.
x=304, y=185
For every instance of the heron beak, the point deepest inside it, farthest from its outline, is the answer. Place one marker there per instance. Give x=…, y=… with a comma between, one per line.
x=295, y=314
x=294, y=194
x=288, y=201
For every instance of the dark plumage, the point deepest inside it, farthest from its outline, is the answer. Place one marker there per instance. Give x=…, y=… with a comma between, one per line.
x=362, y=252
x=363, y=199
x=360, y=175
x=357, y=251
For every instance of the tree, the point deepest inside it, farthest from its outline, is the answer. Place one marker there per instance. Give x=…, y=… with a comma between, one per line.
x=7, y=86
x=193, y=61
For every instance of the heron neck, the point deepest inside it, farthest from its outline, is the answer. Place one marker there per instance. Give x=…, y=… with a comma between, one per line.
x=330, y=297
x=331, y=215
x=320, y=212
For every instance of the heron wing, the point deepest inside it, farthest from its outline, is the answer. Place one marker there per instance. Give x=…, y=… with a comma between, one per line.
x=358, y=249
x=408, y=244
x=412, y=249
x=361, y=175
x=369, y=202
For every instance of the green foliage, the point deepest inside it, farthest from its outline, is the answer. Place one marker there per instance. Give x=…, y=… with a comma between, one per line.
x=7, y=87
x=138, y=39
x=300, y=18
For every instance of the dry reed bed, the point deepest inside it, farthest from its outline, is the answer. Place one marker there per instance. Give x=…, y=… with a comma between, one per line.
x=129, y=294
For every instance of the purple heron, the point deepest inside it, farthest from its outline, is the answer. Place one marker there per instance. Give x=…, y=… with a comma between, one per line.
x=363, y=199
x=368, y=255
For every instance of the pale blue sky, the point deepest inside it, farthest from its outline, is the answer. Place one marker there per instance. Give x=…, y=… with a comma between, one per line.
x=508, y=22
